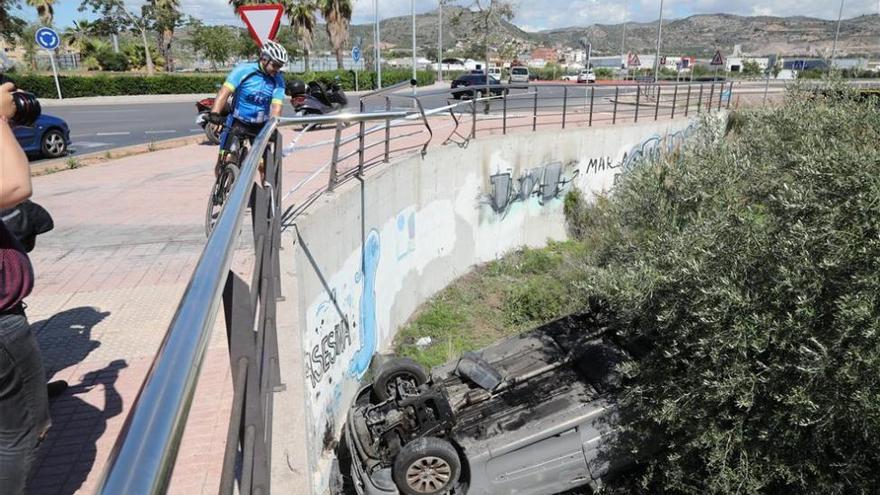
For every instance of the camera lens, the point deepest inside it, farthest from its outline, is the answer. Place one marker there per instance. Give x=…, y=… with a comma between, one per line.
x=27, y=108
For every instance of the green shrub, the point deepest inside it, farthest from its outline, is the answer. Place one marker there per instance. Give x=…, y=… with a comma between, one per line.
x=535, y=300
x=111, y=61
x=750, y=264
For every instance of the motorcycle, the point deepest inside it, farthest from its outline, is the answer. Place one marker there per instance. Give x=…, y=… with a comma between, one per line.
x=316, y=98
x=212, y=131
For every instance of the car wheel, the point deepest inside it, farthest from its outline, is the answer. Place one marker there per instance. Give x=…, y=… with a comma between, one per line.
x=397, y=372
x=53, y=144
x=426, y=466
x=212, y=132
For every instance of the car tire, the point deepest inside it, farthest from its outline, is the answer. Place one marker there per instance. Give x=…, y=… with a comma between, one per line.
x=426, y=466
x=385, y=384
x=53, y=144
x=212, y=132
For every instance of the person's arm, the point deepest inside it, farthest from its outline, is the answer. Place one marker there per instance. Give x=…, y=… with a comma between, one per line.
x=15, y=173
x=221, y=98
x=278, y=97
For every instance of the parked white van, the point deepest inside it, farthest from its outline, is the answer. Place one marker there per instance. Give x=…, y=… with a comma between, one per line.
x=519, y=74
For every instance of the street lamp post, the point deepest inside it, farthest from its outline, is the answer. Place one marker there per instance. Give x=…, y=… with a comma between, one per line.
x=836, y=34
x=623, y=41
x=439, y=40
x=659, y=34
x=413, y=7
x=378, y=48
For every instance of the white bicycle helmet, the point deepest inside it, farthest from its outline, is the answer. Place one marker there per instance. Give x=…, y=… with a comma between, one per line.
x=274, y=52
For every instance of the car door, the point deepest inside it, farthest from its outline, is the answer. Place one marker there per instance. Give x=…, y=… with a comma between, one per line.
x=26, y=137
x=545, y=466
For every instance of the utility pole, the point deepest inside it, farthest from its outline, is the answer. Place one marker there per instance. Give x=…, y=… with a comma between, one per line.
x=659, y=35
x=413, y=6
x=836, y=35
x=377, y=43
x=440, y=40
x=623, y=42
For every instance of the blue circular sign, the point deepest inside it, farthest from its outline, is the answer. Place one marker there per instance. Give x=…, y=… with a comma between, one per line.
x=356, y=54
x=47, y=38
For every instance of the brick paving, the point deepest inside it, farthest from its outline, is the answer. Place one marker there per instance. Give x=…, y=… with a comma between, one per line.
x=127, y=236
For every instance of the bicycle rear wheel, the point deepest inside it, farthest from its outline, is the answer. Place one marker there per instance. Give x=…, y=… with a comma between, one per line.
x=219, y=193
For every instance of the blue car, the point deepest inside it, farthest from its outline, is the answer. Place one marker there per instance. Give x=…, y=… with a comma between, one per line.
x=49, y=137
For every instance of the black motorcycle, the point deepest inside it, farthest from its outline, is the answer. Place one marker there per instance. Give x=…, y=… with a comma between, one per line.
x=316, y=98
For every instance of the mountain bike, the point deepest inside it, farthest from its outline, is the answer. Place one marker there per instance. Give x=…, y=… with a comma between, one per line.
x=227, y=170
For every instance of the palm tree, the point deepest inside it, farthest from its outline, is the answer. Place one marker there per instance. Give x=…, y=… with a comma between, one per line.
x=337, y=15
x=302, y=17
x=44, y=10
x=75, y=37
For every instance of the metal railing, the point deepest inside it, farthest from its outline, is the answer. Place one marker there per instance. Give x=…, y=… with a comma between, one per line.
x=143, y=457
x=359, y=142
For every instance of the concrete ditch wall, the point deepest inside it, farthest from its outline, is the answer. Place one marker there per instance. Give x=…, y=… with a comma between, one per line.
x=366, y=256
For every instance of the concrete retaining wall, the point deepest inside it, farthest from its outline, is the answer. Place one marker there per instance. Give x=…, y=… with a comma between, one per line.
x=366, y=256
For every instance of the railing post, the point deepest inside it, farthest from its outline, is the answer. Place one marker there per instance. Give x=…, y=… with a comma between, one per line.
x=504, y=111
x=721, y=95
x=473, y=118
x=592, y=94
x=361, y=138
x=616, y=96
x=333, y=162
x=687, y=105
x=564, y=104
x=730, y=95
x=674, y=101
x=700, y=99
x=638, y=100
x=657, y=104
x=535, y=111
x=711, y=97
x=387, y=131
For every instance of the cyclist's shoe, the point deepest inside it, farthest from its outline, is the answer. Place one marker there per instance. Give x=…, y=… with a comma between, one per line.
x=216, y=118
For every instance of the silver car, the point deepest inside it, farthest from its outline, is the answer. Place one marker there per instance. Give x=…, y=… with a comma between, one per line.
x=532, y=414
x=519, y=75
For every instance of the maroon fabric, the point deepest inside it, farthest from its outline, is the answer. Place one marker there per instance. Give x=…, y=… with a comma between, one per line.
x=16, y=272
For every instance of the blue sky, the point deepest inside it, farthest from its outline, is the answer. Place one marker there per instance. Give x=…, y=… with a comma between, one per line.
x=532, y=15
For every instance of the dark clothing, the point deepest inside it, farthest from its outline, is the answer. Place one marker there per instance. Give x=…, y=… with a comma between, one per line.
x=26, y=221
x=24, y=406
x=16, y=273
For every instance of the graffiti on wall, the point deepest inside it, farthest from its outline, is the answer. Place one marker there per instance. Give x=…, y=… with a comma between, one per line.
x=654, y=147
x=545, y=183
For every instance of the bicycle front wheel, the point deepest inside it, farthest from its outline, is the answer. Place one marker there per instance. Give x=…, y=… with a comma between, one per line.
x=219, y=193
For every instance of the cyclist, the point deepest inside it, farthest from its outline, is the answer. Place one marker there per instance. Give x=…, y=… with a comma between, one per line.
x=258, y=89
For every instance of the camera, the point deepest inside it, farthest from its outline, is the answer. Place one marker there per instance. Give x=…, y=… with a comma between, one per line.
x=27, y=107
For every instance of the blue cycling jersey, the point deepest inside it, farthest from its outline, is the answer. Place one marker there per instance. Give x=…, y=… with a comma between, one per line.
x=255, y=92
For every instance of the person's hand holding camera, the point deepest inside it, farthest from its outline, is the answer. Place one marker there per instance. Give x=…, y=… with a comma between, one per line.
x=15, y=175
x=7, y=105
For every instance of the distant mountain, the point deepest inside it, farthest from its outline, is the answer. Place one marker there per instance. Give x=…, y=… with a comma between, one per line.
x=698, y=35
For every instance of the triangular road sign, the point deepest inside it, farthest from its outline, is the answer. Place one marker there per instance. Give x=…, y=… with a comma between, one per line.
x=633, y=60
x=262, y=20
x=717, y=59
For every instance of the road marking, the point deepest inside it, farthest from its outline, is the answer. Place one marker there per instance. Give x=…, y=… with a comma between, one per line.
x=166, y=131
x=112, y=134
x=197, y=129
x=87, y=144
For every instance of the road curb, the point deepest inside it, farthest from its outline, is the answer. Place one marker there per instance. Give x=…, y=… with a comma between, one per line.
x=72, y=162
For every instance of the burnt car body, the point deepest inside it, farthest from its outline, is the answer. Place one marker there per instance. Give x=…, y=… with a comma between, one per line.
x=531, y=414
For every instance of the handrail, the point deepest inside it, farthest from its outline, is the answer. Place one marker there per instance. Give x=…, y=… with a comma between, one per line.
x=386, y=89
x=143, y=457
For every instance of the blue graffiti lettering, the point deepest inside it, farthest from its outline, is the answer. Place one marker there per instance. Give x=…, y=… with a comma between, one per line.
x=368, y=327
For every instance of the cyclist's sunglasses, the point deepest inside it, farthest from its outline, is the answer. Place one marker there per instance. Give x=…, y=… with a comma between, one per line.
x=276, y=65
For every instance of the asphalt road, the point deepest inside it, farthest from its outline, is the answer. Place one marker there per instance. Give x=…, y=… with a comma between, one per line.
x=104, y=127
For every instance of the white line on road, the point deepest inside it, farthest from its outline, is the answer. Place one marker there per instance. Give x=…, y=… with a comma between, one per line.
x=88, y=144
x=197, y=129
x=112, y=134
x=166, y=131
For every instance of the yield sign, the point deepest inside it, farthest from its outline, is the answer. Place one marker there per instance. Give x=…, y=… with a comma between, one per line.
x=633, y=60
x=262, y=20
x=717, y=59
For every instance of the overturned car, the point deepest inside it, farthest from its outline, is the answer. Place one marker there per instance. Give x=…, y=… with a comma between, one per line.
x=531, y=414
